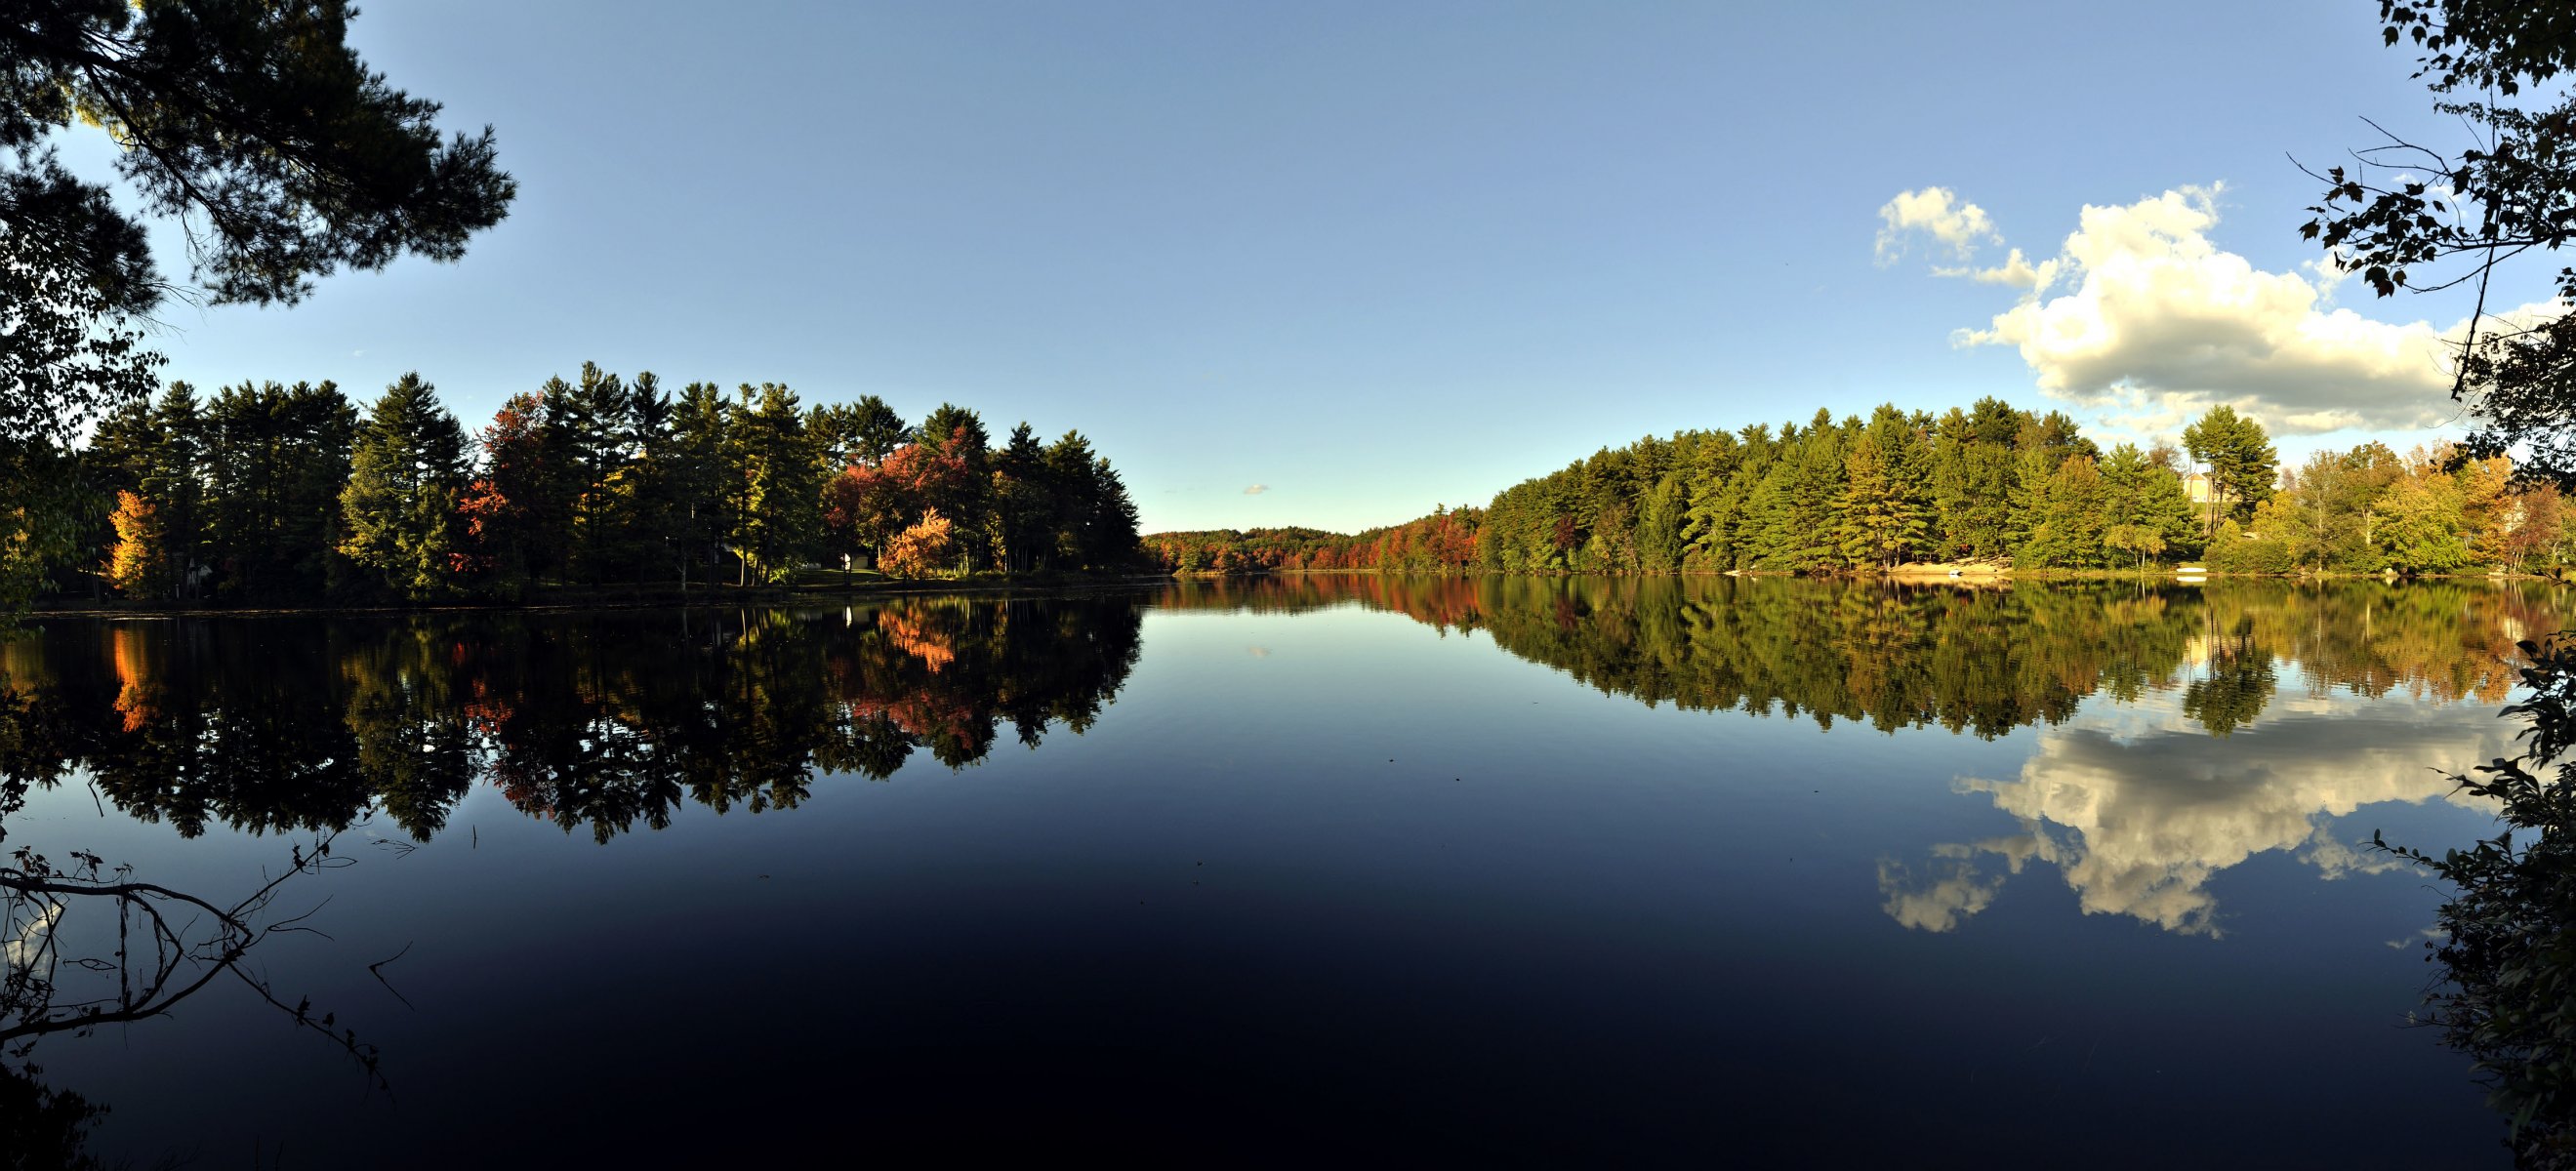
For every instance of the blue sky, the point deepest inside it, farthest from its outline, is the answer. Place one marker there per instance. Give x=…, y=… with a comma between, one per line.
x=1374, y=257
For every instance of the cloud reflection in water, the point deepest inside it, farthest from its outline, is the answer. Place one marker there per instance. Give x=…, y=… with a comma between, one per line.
x=2138, y=820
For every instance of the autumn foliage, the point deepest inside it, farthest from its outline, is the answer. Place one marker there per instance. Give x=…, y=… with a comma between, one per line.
x=139, y=563
x=270, y=494
x=922, y=549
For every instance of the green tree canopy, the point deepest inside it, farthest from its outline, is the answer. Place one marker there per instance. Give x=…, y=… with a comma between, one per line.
x=2242, y=463
x=406, y=473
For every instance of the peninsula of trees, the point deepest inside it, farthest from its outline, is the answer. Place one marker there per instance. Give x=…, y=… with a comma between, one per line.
x=1986, y=484
x=279, y=495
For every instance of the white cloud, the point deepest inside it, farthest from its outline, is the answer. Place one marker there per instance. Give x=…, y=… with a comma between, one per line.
x=2016, y=271
x=2153, y=323
x=1255, y=489
x=1937, y=211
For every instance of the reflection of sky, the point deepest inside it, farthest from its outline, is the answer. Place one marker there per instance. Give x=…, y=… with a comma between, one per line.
x=2138, y=806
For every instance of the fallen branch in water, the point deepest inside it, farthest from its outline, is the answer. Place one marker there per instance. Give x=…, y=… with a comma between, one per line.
x=187, y=943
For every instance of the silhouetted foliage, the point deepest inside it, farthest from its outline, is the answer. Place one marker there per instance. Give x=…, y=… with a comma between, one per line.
x=253, y=124
x=2507, y=936
x=2410, y=216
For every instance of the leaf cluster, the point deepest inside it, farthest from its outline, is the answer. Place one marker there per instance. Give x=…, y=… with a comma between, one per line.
x=2403, y=207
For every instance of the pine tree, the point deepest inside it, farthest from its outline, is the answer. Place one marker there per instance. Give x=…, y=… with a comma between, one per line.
x=778, y=526
x=1659, y=526
x=407, y=474
x=2242, y=463
x=2069, y=523
x=703, y=472
x=1883, y=517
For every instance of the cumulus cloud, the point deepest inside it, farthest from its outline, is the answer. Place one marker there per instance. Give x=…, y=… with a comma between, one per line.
x=2142, y=316
x=1938, y=212
x=1255, y=489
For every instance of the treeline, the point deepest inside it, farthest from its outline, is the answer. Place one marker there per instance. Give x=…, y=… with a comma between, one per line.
x=269, y=494
x=1987, y=484
x=601, y=722
x=1444, y=540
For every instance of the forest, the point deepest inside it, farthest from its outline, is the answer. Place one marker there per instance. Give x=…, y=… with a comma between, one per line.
x=1989, y=484
x=291, y=495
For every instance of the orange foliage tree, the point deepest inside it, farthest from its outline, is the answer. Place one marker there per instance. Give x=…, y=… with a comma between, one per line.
x=139, y=565
x=922, y=549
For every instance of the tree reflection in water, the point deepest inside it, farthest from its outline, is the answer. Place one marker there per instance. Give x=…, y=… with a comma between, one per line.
x=2172, y=732
x=2232, y=727
x=313, y=726
x=606, y=721
x=1977, y=659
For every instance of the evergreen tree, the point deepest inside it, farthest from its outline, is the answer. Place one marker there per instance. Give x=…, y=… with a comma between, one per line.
x=777, y=527
x=704, y=468
x=1659, y=526
x=2067, y=532
x=649, y=506
x=276, y=459
x=1883, y=506
x=407, y=474
x=2242, y=463
x=958, y=433
x=2026, y=497
x=1024, y=499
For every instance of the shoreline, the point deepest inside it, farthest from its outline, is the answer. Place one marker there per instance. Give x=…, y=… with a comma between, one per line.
x=655, y=598
x=615, y=598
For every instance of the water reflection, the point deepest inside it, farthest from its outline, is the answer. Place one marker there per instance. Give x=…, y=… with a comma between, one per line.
x=1981, y=660
x=2241, y=717
x=1607, y=911
x=613, y=721
x=2139, y=820
x=606, y=721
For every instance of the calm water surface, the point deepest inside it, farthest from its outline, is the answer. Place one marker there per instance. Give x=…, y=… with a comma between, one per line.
x=1482, y=870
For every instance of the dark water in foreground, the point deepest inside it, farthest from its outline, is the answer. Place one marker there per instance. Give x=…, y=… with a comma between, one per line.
x=1366, y=869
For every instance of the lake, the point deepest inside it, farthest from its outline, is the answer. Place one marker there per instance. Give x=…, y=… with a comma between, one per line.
x=1277, y=870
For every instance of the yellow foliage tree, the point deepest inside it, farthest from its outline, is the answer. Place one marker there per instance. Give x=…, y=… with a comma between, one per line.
x=922, y=549
x=139, y=564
